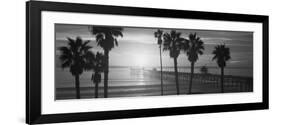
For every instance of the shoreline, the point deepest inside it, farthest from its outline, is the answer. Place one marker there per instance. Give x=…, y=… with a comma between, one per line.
x=202, y=84
x=133, y=88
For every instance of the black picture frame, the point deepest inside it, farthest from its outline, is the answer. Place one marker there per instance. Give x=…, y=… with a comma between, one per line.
x=33, y=61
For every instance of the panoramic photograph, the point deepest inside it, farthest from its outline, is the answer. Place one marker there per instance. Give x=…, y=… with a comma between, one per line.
x=100, y=61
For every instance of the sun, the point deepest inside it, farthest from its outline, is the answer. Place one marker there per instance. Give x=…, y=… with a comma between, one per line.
x=140, y=60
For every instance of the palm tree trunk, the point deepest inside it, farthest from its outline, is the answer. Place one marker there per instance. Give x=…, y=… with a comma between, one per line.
x=176, y=74
x=106, y=53
x=77, y=86
x=161, y=70
x=222, y=78
x=96, y=90
x=191, y=77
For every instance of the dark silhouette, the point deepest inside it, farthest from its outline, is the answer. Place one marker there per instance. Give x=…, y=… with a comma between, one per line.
x=106, y=37
x=97, y=66
x=172, y=43
x=75, y=56
x=221, y=55
x=158, y=34
x=193, y=47
x=96, y=78
x=204, y=70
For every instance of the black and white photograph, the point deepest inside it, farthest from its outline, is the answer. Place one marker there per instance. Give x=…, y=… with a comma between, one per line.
x=103, y=61
x=89, y=61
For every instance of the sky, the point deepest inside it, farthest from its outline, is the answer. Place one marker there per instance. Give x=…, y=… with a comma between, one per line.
x=138, y=46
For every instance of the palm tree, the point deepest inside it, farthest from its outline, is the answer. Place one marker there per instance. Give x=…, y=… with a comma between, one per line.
x=75, y=56
x=97, y=65
x=193, y=48
x=221, y=55
x=158, y=34
x=106, y=38
x=172, y=43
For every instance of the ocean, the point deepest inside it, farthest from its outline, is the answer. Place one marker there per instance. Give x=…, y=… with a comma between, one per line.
x=124, y=82
x=124, y=76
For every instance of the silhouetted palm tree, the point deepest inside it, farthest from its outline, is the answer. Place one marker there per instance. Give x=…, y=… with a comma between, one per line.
x=158, y=34
x=172, y=43
x=106, y=37
x=193, y=47
x=75, y=56
x=97, y=65
x=221, y=55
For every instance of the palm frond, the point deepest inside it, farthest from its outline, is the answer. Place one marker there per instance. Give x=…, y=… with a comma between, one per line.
x=116, y=42
x=221, y=55
x=66, y=63
x=106, y=37
x=173, y=42
x=76, y=55
x=193, y=47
